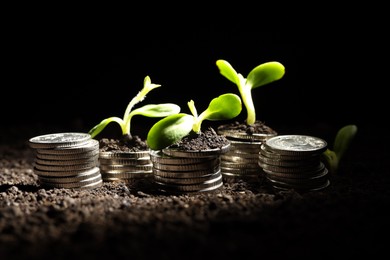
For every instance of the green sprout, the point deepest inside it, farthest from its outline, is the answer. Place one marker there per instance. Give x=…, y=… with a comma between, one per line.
x=152, y=110
x=259, y=76
x=342, y=141
x=173, y=128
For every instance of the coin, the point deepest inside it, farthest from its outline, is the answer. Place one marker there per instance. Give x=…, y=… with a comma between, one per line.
x=71, y=178
x=124, y=155
x=296, y=144
x=160, y=157
x=186, y=174
x=233, y=134
x=58, y=140
x=91, y=145
x=204, y=186
x=203, y=165
x=196, y=154
x=187, y=181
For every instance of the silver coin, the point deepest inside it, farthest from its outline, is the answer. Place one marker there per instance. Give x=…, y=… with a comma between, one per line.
x=57, y=140
x=242, y=170
x=70, y=179
x=87, y=183
x=297, y=175
x=120, y=168
x=129, y=161
x=289, y=163
x=309, y=180
x=226, y=164
x=196, y=154
x=245, y=159
x=125, y=155
x=68, y=167
x=126, y=175
x=65, y=173
x=275, y=155
x=297, y=169
x=232, y=134
x=299, y=187
x=88, y=146
x=91, y=160
x=160, y=157
x=68, y=156
x=296, y=144
x=187, y=181
x=187, y=174
x=202, y=165
x=206, y=186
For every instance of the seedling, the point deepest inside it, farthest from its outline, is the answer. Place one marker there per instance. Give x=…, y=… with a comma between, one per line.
x=342, y=141
x=173, y=128
x=151, y=110
x=259, y=76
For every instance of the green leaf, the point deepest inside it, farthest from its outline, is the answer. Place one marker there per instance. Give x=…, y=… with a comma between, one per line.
x=265, y=73
x=226, y=106
x=99, y=127
x=169, y=130
x=331, y=161
x=228, y=71
x=157, y=110
x=343, y=139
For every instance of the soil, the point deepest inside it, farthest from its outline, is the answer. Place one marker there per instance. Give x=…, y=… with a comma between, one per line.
x=348, y=219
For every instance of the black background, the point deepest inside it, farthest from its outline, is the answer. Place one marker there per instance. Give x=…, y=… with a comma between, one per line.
x=75, y=71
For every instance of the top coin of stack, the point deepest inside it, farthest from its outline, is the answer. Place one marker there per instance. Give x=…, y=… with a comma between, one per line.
x=294, y=162
x=67, y=160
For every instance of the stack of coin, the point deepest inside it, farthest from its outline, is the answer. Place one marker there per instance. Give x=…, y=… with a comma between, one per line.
x=294, y=162
x=177, y=171
x=67, y=160
x=129, y=167
x=241, y=162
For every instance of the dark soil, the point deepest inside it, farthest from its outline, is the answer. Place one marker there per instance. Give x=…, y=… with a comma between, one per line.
x=258, y=127
x=348, y=219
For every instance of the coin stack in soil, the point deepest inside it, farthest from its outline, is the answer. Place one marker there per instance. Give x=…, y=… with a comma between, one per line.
x=178, y=171
x=67, y=160
x=294, y=162
x=241, y=162
x=130, y=167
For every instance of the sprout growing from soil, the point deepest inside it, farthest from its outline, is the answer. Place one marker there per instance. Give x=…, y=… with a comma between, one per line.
x=259, y=76
x=173, y=128
x=342, y=141
x=151, y=110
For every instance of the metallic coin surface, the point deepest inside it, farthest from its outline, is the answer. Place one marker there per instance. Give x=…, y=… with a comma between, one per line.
x=59, y=140
x=233, y=134
x=70, y=179
x=296, y=144
x=196, y=154
x=186, y=174
x=89, y=146
x=124, y=155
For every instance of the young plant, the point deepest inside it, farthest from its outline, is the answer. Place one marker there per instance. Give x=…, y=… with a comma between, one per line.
x=152, y=110
x=173, y=128
x=342, y=141
x=259, y=76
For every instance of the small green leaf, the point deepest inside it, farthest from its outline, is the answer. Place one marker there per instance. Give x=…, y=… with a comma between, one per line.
x=331, y=161
x=228, y=71
x=99, y=127
x=157, y=110
x=265, y=73
x=226, y=106
x=343, y=139
x=169, y=130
